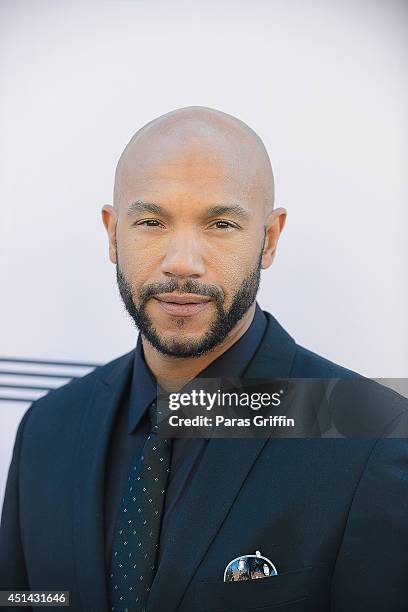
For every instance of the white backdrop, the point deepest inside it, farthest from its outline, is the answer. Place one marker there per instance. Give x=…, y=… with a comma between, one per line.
x=324, y=84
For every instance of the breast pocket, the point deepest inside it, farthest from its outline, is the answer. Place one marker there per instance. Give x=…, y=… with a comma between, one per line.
x=249, y=595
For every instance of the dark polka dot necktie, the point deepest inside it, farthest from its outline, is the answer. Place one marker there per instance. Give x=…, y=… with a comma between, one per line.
x=137, y=529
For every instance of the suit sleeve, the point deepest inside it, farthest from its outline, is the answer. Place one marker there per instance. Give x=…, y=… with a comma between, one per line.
x=371, y=571
x=13, y=574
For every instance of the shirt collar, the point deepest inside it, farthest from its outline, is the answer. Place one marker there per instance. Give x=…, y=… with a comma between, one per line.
x=231, y=364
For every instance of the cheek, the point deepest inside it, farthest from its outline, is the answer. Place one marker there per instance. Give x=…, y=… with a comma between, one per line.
x=229, y=270
x=135, y=263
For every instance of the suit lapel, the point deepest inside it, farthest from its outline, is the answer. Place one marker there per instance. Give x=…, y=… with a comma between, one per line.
x=89, y=490
x=216, y=483
x=275, y=355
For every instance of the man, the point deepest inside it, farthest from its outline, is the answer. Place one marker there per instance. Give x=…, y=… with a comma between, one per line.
x=98, y=504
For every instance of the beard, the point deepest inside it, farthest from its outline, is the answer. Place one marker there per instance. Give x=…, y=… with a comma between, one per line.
x=223, y=322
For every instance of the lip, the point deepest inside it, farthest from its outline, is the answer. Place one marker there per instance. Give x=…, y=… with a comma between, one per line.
x=182, y=305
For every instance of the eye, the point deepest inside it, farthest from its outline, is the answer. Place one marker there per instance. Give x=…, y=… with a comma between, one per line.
x=224, y=225
x=149, y=223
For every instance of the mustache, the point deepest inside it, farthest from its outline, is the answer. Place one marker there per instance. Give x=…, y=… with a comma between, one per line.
x=174, y=286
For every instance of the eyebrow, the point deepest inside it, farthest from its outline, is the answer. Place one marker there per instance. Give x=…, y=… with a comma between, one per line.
x=228, y=209
x=219, y=209
x=140, y=206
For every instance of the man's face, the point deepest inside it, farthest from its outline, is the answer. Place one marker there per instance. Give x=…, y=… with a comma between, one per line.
x=189, y=239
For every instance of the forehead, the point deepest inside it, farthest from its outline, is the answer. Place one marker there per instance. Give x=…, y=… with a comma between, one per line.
x=209, y=168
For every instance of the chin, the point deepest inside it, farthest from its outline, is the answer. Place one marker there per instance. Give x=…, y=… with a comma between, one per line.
x=181, y=337
x=182, y=327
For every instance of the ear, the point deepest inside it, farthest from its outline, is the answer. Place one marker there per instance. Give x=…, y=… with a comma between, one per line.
x=273, y=228
x=109, y=218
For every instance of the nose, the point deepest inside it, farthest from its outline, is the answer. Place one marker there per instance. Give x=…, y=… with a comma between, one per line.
x=183, y=257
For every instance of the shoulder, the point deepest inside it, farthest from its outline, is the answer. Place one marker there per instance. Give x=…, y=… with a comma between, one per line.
x=356, y=406
x=281, y=349
x=68, y=402
x=307, y=364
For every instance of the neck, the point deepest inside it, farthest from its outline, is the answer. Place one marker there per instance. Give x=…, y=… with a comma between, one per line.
x=172, y=373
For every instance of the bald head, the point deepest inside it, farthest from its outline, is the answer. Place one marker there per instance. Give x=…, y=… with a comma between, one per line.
x=193, y=214
x=200, y=145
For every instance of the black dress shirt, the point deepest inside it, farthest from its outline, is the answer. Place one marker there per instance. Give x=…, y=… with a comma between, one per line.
x=132, y=427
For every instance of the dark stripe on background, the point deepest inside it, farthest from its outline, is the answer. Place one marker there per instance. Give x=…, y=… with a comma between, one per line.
x=18, y=399
x=59, y=379
x=38, y=374
x=18, y=386
x=57, y=363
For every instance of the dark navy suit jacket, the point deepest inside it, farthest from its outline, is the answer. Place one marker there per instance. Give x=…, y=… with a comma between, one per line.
x=332, y=514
